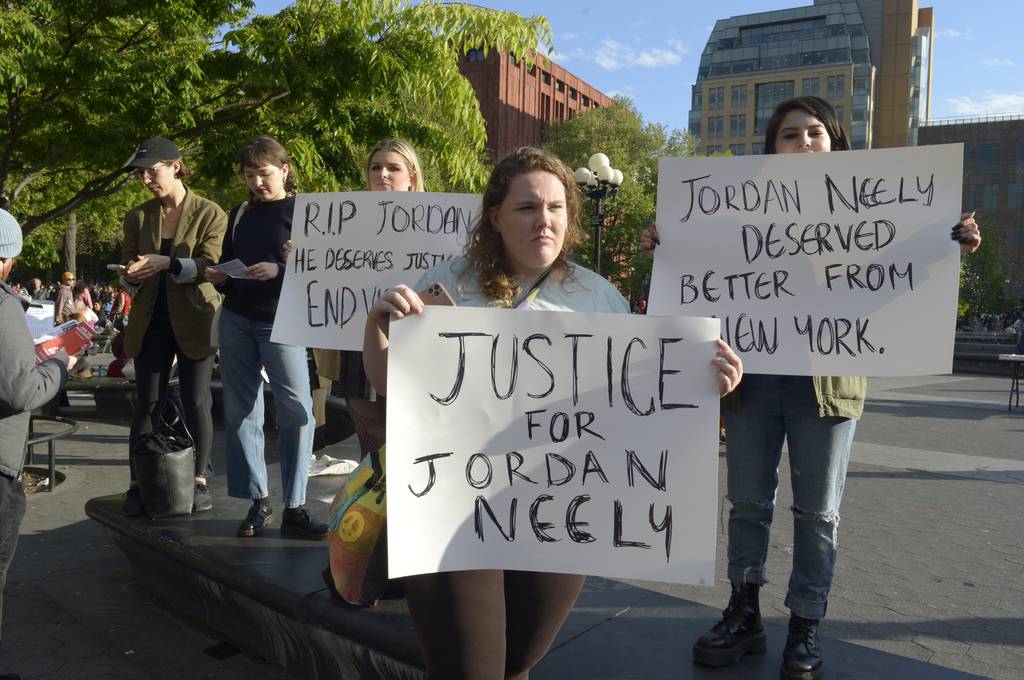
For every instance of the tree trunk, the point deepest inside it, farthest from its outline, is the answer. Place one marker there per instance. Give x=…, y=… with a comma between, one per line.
x=70, y=243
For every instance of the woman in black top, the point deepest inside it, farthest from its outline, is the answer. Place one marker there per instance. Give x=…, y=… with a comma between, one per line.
x=257, y=232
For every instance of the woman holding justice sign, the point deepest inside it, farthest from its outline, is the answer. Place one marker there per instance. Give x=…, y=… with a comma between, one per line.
x=817, y=415
x=495, y=623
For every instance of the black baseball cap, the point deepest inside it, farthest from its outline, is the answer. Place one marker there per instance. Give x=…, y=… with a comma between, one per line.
x=154, y=150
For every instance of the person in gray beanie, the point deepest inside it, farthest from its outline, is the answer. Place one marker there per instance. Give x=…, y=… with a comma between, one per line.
x=23, y=387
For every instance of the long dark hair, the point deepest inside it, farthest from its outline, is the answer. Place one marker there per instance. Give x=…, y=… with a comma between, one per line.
x=817, y=107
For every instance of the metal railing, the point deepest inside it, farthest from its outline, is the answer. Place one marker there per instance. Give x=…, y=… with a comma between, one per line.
x=995, y=118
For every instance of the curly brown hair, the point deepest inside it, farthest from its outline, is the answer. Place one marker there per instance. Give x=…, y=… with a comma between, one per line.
x=486, y=252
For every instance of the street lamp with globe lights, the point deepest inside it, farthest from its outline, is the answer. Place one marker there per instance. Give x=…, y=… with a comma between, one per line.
x=599, y=183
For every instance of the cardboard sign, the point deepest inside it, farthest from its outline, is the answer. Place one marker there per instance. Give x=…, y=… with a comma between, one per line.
x=818, y=264
x=349, y=247
x=552, y=441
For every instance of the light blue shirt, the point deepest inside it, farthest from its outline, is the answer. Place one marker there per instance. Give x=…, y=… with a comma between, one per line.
x=581, y=291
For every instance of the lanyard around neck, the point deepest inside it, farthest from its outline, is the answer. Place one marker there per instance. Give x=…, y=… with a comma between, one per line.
x=527, y=299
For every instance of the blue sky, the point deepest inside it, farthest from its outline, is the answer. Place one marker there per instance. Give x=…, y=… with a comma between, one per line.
x=648, y=50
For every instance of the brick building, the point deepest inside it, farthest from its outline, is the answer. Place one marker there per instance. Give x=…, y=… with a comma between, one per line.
x=518, y=102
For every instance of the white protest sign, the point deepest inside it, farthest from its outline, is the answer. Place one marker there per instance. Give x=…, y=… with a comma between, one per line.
x=349, y=247
x=818, y=264
x=578, y=443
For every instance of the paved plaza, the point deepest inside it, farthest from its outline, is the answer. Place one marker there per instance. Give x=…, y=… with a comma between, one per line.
x=931, y=565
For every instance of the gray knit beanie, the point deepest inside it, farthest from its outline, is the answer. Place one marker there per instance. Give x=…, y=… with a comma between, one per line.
x=10, y=235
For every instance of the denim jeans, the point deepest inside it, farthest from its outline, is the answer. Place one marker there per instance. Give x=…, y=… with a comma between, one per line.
x=245, y=347
x=12, y=510
x=774, y=408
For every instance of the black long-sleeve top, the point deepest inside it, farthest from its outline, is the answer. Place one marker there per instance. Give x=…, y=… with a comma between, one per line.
x=258, y=237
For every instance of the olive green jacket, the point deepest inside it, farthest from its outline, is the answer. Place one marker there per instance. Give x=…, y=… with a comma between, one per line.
x=192, y=302
x=841, y=396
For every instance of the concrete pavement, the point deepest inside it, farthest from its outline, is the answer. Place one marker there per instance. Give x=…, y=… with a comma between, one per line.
x=931, y=564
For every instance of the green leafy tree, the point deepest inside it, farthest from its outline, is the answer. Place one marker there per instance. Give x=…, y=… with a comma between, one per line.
x=633, y=147
x=983, y=273
x=82, y=83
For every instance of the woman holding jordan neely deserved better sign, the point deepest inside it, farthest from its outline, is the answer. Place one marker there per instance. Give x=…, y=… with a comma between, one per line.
x=817, y=417
x=500, y=623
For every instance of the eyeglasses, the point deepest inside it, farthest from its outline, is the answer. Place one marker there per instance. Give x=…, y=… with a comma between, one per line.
x=148, y=173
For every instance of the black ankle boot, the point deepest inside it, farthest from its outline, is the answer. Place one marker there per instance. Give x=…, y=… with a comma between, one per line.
x=801, y=659
x=738, y=633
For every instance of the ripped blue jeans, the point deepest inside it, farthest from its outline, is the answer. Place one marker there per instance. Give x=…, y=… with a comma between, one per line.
x=777, y=408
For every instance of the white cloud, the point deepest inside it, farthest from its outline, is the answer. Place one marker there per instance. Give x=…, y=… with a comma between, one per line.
x=679, y=46
x=568, y=36
x=991, y=103
x=997, y=62
x=956, y=33
x=613, y=55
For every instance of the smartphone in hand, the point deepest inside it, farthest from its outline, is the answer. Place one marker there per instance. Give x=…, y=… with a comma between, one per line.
x=437, y=294
x=119, y=268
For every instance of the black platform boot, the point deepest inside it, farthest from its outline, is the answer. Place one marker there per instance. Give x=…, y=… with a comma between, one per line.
x=738, y=633
x=802, y=658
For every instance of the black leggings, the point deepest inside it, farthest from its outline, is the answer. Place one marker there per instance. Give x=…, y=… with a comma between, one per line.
x=152, y=373
x=479, y=625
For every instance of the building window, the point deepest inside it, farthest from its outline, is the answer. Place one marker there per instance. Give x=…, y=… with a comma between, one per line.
x=475, y=55
x=716, y=127
x=716, y=97
x=972, y=197
x=989, y=158
x=860, y=85
x=990, y=196
x=715, y=148
x=967, y=156
x=586, y=100
x=695, y=128
x=836, y=86
x=738, y=125
x=532, y=70
x=560, y=110
x=738, y=149
x=757, y=148
x=572, y=93
x=739, y=96
x=560, y=85
x=546, y=77
x=810, y=87
x=1015, y=196
x=839, y=115
x=545, y=107
x=766, y=97
x=860, y=115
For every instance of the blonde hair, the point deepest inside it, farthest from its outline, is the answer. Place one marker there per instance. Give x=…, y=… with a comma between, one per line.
x=408, y=154
x=486, y=252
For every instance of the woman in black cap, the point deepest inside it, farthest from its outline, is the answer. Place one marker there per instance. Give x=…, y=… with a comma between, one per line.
x=168, y=243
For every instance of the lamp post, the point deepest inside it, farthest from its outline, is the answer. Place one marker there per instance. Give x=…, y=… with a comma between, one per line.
x=599, y=183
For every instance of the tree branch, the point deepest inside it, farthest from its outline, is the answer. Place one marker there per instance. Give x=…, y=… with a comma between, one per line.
x=96, y=188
